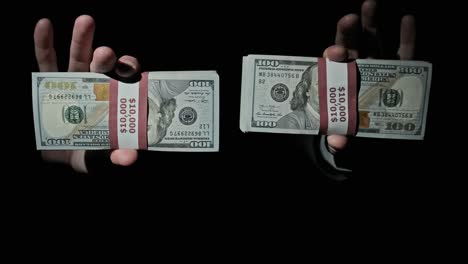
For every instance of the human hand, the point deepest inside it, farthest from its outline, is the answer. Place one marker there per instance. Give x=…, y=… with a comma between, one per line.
x=359, y=37
x=82, y=59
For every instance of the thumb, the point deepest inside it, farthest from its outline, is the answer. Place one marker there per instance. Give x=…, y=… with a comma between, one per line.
x=124, y=157
x=336, y=53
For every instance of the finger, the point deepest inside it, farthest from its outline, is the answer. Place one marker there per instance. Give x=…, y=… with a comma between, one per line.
x=81, y=45
x=371, y=46
x=77, y=161
x=104, y=60
x=124, y=157
x=368, y=12
x=44, y=46
x=336, y=53
x=407, y=38
x=347, y=34
x=337, y=142
x=127, y=66
x=75, y=158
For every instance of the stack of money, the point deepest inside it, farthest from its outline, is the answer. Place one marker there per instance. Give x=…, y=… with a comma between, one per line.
x=280, y=95
x=71, y=111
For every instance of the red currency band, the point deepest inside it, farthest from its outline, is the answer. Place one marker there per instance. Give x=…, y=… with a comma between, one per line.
x=337, y=97
x=128, y=114
x=352, y=98
x=113, y=90
x=322, y=93
x=143, y=112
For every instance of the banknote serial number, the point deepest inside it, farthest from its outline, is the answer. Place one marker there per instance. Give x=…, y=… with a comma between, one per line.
x=269, y=74
x=337, y=104
x=70, y=96
x=127, y=110
x=188, y=133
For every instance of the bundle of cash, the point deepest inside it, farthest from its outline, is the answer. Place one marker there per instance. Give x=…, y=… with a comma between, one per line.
x=71, y=111
x=280, y=95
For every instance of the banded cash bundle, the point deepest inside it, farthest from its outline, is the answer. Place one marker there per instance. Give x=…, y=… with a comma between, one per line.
x=165, y=111
x=280, y=94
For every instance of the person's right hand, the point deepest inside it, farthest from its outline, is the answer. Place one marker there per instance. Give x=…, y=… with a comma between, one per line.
x=82, y=59
x=359, y=37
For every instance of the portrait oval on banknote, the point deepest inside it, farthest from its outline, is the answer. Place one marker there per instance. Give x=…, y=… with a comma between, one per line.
x=279, y=92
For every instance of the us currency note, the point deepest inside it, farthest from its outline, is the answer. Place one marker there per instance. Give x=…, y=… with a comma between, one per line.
x=71, y=111
x=280, y=95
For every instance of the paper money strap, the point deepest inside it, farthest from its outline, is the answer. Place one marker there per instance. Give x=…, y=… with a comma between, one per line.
x=337, y=97
x=128, y=114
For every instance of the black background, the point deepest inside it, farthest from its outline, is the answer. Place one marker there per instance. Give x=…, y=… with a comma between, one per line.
x=194, y=36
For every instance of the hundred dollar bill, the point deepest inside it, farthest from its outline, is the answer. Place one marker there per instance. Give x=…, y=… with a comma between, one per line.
x=71, y=111
x=280, y=95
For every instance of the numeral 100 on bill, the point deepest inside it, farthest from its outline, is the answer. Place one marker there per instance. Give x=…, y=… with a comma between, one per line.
x=400, y=126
